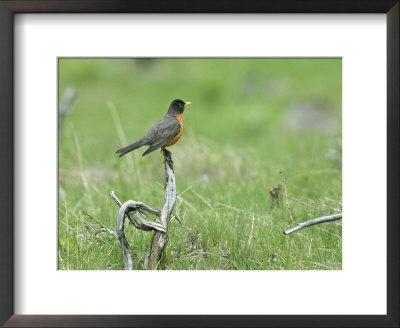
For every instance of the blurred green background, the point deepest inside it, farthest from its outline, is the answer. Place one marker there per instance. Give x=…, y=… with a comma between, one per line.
x=253, y=124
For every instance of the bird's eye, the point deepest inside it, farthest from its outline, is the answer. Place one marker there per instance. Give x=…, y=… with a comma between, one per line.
x=180, y=105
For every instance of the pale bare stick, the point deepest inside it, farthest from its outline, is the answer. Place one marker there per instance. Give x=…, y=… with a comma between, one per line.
x=123, y=212
x=138, y=209
x=312, y=222
x=123, y=243
x=160, y=239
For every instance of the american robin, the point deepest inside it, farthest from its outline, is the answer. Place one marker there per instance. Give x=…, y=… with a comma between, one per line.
x=164, y=133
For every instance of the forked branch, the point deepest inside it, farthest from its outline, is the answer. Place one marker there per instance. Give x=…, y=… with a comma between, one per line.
x=136, y=212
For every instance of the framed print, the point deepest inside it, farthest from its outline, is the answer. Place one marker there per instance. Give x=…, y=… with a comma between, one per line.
x=293, y=120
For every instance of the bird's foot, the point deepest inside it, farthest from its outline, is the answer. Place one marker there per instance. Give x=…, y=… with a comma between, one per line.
x=167, y=156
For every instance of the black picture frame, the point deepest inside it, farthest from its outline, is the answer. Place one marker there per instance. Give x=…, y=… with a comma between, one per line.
x=7, y=11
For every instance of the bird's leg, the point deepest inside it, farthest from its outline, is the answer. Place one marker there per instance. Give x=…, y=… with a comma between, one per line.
x=167, y=157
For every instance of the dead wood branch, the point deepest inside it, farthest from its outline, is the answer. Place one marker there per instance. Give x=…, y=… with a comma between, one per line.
x=136, y=213
x=97, y=233
x=310, y=223
x=102, y=227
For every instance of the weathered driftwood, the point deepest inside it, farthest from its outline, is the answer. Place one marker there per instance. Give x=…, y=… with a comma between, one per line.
x=136, y=213
x=310, y=223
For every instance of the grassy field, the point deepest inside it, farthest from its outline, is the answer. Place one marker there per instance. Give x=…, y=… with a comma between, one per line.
x=253, y=124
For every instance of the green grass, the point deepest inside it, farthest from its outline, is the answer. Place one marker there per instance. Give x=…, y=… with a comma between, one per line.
x=239, y=135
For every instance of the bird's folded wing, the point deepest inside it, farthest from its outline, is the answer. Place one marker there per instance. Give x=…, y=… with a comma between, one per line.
x=164, y=130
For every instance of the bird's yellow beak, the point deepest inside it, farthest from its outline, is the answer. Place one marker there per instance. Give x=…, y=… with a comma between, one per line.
x=188, y=103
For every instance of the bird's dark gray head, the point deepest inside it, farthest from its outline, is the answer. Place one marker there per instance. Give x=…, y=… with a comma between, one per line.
x=177, y=107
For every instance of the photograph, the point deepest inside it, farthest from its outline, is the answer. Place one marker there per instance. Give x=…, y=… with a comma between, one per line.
x=199, y=163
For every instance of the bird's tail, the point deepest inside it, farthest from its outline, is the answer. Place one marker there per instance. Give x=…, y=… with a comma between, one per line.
x=127, y=149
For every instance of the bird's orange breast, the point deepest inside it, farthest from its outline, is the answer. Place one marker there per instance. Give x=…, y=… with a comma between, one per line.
x=179, y=117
